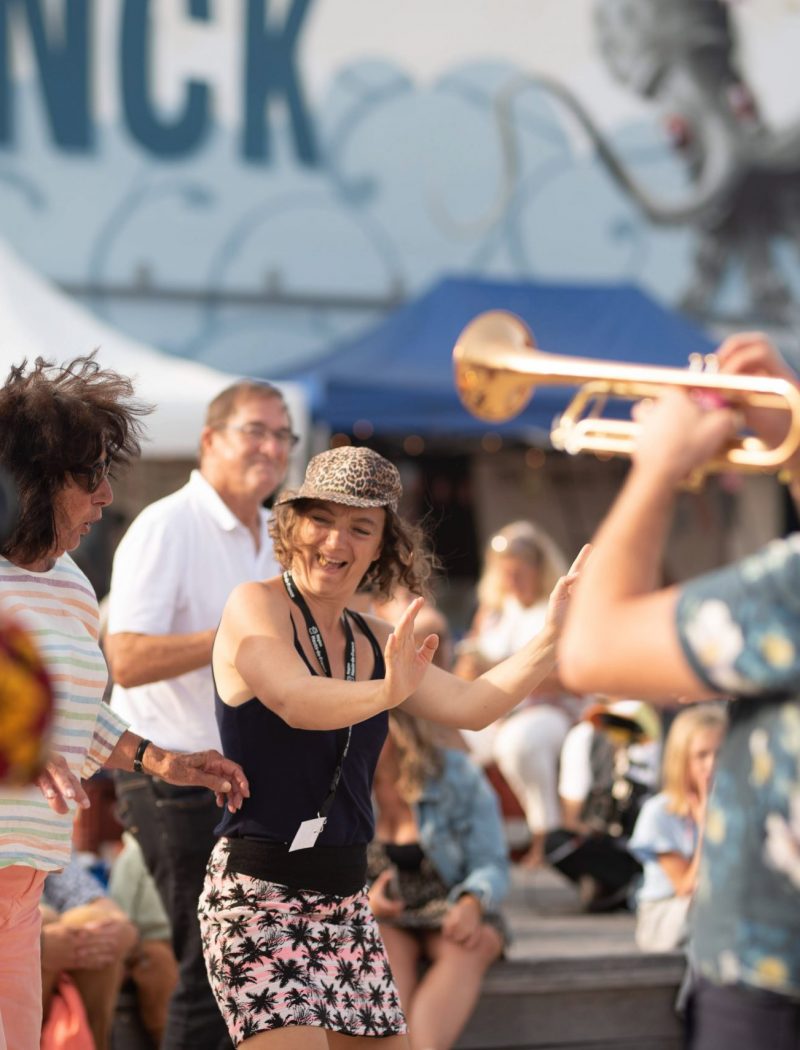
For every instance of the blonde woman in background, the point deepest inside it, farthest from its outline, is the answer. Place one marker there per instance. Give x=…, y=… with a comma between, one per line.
x=668, y=835
x=521, y=567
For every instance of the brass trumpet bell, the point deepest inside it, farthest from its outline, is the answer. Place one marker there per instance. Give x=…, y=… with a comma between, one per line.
x=498, y=368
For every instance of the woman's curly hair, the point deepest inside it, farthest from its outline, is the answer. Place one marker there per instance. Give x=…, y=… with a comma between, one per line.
x=405, y=559
x=55, y=419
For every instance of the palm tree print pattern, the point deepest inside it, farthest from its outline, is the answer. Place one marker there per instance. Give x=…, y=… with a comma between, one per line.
x=278, y=957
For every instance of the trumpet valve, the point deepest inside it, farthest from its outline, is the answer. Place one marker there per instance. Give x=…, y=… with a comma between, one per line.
x=706, y=363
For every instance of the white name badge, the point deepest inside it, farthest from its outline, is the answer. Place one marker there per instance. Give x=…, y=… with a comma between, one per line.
x=307, y=834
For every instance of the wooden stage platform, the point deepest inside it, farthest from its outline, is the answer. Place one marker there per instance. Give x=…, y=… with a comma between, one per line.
x=573, y=980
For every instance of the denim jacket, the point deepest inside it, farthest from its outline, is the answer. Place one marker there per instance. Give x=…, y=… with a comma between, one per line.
x=461, y=831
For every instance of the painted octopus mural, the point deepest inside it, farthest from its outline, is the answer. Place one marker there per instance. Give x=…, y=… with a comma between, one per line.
x=741, y=178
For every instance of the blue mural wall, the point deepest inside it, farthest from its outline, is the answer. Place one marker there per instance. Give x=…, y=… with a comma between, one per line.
x=254, y=240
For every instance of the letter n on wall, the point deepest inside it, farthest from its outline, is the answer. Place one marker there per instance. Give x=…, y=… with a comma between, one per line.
x=60, y=45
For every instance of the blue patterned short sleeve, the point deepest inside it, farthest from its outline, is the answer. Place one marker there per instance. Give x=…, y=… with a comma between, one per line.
x=740, y=626
x=71, y=887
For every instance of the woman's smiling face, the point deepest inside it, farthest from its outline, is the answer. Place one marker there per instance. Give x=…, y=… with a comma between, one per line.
x=337, y=544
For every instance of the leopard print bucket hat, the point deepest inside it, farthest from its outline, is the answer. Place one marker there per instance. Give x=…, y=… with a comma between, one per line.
x=354, y=476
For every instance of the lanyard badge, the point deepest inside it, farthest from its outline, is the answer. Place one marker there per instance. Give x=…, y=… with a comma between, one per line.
x=307, y=834
x=310, y=830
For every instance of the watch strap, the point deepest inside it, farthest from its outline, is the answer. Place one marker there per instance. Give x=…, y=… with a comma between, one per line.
x=137, y=758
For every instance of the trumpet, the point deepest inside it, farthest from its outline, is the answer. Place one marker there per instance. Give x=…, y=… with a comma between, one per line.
x=498, y=368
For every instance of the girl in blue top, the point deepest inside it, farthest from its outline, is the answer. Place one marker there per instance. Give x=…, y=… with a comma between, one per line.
x=668, y=834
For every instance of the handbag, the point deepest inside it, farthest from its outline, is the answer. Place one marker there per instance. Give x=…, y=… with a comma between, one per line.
x=421, y=890
x=66, y=1026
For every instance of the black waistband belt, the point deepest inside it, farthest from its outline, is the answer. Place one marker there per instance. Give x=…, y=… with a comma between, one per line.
x=339, y=870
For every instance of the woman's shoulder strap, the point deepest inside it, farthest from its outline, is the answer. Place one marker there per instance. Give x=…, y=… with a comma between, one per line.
x=365, y=629
x=299, y=647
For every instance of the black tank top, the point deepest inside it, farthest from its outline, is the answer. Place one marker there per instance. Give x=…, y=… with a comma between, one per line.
x=290, y=770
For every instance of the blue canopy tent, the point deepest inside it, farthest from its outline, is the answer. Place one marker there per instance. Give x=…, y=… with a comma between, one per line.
x=398, y=375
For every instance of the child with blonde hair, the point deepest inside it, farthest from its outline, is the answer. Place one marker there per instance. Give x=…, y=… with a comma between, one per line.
x=668, y=835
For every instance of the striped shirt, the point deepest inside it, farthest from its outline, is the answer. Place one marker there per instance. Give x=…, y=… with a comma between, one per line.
x=59, y=609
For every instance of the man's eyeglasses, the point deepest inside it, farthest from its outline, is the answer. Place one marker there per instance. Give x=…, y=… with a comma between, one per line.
x=94, y=475
x=258, y=433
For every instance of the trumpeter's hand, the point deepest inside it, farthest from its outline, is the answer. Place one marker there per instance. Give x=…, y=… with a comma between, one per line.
x=679, y=434
x=752, y=354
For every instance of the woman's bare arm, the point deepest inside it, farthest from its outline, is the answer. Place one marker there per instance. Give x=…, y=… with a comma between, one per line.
x=442, y=697
x=254, y=656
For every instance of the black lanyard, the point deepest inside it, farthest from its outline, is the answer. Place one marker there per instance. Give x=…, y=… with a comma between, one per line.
x=321, y=653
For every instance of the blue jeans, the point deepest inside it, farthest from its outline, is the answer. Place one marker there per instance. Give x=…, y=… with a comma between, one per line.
x=174, y=827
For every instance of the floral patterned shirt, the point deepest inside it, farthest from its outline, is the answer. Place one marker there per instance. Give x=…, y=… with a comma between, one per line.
x=740, y=631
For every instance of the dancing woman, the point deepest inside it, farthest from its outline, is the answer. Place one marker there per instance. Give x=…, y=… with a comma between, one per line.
x=304, y=687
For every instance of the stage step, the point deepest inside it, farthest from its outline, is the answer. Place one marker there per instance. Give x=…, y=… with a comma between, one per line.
x=573, y=981
x=599, y=1001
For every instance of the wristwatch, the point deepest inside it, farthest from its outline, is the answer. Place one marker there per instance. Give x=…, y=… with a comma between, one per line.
x=137, y=758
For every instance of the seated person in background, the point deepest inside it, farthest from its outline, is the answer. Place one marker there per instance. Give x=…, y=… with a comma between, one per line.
x=522, y=565
x=87, y=936
x=668, y=834
x=609, y=764
x=151, y=966
x=440, y=872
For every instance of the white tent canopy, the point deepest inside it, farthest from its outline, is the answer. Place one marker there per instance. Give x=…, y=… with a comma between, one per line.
x=38, y=320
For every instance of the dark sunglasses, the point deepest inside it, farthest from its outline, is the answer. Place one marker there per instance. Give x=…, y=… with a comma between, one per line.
x=94, y=475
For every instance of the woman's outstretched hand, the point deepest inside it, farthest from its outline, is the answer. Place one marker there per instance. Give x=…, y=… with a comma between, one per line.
x=406, y=663
x=558, y=602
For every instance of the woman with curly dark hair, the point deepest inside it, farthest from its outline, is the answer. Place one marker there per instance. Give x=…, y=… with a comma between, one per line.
x=62, y=430
x=304, y=686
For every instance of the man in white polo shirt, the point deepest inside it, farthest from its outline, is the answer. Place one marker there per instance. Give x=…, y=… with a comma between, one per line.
x=173, y=572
